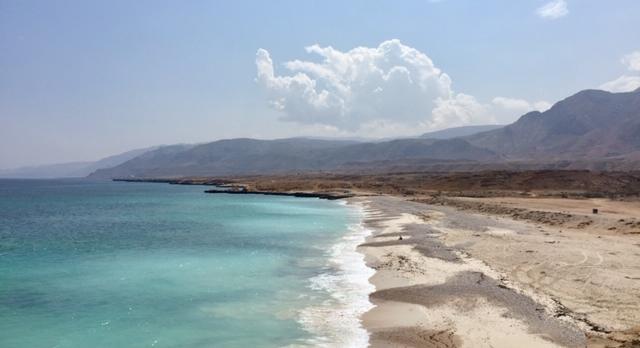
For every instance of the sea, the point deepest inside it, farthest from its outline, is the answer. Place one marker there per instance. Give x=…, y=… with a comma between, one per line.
x=116, y=264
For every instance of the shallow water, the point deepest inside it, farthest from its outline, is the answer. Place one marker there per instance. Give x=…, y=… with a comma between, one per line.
x=106, y=264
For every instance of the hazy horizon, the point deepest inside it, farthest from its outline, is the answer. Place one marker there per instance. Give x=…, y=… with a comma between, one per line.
x=82, y=81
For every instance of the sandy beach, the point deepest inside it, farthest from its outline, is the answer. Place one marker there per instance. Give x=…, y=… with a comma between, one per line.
x=463, y=275
x=489, y=259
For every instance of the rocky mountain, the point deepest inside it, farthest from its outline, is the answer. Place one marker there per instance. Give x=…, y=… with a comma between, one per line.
x=591, y=129
x=251, y=156
x=591, y=124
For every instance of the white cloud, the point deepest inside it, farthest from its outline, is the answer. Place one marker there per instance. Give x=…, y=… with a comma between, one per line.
x=632, y=61
x=510, y=103
x=459, y=110
x=346, y=89
x=392, y=86
x=553, y=9
x=624, y=83
x=542, y=105
x=520, y=105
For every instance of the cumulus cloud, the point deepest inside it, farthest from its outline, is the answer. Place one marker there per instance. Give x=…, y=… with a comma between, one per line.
x=623, y=83
x=626, y=83
x=520, y=105
x=392, y=85
x=553, y=10
x=459, y=110
x=391, y=81
x=632, y=61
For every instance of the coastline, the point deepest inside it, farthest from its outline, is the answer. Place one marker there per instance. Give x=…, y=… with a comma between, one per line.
x=226, y=187
x=455, y=280
x=226, y=270
x=475, y=271
x=336, y=322
x=430, y=295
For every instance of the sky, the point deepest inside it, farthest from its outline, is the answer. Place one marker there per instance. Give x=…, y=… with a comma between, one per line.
x=81, y=80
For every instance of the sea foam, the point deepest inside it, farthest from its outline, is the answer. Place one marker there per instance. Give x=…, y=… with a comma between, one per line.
x=336, y=321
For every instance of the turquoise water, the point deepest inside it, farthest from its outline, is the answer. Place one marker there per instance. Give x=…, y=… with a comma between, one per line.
x=105, y=264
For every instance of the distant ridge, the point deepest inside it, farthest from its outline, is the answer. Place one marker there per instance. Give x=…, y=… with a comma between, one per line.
x=456, y=132
x=71, y=169
x=590, y=130
x=251, y=156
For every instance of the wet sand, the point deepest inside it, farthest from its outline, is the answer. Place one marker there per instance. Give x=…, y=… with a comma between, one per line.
x=459, y=278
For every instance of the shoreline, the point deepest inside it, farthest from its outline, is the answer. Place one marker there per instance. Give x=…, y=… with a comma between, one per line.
x=243, y=191
x=462, y=279
x=430, y=295
x=336, y=322
x=480, y=275
x=240, y=189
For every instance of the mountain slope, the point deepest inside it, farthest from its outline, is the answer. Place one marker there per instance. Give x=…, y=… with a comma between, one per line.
x=71, y=169
x=113, y=161
x=457, y=132
x=251, y=156
x=590, y=124
x=591, y=129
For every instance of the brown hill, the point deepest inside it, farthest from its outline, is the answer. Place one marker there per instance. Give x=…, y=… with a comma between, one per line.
x=590, y=125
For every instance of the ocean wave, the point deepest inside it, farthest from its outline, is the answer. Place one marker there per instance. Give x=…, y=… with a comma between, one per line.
x=336, y=321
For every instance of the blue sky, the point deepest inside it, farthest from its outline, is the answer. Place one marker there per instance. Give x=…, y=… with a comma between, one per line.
x=80, y=80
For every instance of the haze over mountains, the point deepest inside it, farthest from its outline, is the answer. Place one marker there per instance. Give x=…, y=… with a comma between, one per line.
x=592, y=129
x=456, y=132
x=251, y=156
x=72, y=169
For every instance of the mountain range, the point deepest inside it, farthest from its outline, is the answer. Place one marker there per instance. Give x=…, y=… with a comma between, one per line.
x=457, y=132
x=251, y=156
x=592, y=129
x=71, y=169
x=591, y=124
